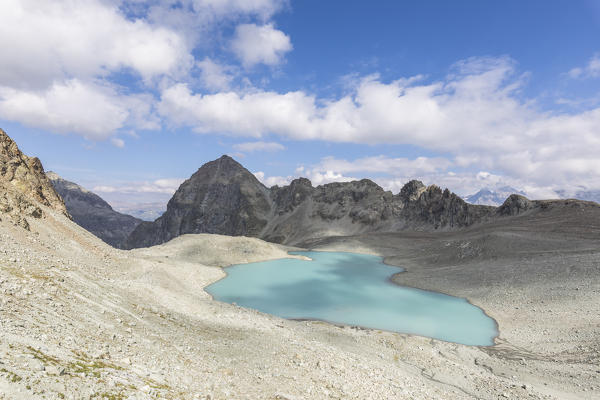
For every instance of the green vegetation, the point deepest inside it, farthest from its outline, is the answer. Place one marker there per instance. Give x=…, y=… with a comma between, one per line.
x=43, y=357
x=11, y=375
x=108, y=396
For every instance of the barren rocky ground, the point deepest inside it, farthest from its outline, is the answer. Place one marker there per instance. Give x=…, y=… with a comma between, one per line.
x=79, y=319
x=82, y=320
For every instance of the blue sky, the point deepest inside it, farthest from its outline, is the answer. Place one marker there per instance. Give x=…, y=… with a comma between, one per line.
x=128, y=98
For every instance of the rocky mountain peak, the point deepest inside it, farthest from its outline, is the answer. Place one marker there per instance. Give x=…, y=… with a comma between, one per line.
x=223, y=197
x=412, y=190
x=220, y=197
x=223, y=170
x=24, y=184
x=515, y=204
x=301, y=182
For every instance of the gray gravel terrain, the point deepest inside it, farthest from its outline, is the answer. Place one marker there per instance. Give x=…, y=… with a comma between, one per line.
x=537, y=274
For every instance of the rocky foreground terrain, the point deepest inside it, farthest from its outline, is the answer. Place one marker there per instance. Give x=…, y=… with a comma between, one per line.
x=94, y=214
x=82, y=320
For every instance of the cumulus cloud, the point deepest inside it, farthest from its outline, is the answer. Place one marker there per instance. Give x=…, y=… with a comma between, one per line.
x=42, y=41
x=264, y=44
x=272, y=180
x=164, y=186
x=591, y=70
x=476, y=115
x=215, y=76
x=382, y=164
x=250, y=147
x=91, y=110
x=58, y=57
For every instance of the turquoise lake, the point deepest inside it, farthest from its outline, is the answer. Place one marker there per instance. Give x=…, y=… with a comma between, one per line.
x=352, y=289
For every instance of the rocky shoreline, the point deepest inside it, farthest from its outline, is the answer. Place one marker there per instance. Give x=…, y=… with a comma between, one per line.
x=83, y=320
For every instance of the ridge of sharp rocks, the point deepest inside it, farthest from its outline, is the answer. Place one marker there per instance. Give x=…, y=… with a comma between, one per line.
x=431, y=207
x=91, y=212
x=225, y=198
x=24, y=185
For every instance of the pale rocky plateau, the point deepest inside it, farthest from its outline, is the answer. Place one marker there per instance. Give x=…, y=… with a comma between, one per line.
x=80, y=319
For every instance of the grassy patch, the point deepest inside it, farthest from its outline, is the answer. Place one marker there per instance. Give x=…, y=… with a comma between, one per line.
x=155, y=385
x=43, y=357
x=108, y=396
x=11, y=375
x=91, y=368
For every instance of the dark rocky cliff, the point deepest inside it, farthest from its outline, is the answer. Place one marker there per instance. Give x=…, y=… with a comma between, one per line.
x=221, y=197
x=91, y=212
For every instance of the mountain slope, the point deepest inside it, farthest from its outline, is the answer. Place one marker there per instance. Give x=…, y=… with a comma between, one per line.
x=223, y=197
x=91, y=212
x=23, y=183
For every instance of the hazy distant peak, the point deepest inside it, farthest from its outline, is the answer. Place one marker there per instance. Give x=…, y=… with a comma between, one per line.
x=492, y=197
x=58, y=180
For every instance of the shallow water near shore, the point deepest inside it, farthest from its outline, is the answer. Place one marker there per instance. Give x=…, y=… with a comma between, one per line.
x=352, y=289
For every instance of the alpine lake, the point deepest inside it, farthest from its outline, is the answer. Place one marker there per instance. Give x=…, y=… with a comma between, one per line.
x=355, y=290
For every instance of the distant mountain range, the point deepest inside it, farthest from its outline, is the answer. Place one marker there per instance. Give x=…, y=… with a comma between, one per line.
x=492, y=197
x=588, y=195
x=143, y=211
x=495, y=197
x=225, y=198
x=91, y=212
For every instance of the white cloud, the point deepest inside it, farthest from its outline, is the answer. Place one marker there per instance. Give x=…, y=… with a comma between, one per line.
x=591, y=70
x=252, y=114
x=382, y=164
x=43, y=41
x=272, y=180
x=250, y=147
x=323, y=177
x=476, y=116
x=164, y=186
x=64, y=57
x=58, y=57
x=91, y=110
x=264, y=44
x=120, y=143
x=316, y=176
x=215, y=76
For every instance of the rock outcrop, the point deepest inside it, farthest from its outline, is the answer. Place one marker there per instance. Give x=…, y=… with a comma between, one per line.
x=91, y=212
x=24, y=185
x=223, y=197
x=515, y=204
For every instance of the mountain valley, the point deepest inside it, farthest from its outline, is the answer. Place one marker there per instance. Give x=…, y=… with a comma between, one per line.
x=82, y=319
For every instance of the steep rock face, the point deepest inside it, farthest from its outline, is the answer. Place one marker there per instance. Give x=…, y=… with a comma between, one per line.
x=303, y=211
x=221, y=197
x=430, y=207
x=91, y=212
x=23, y=184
